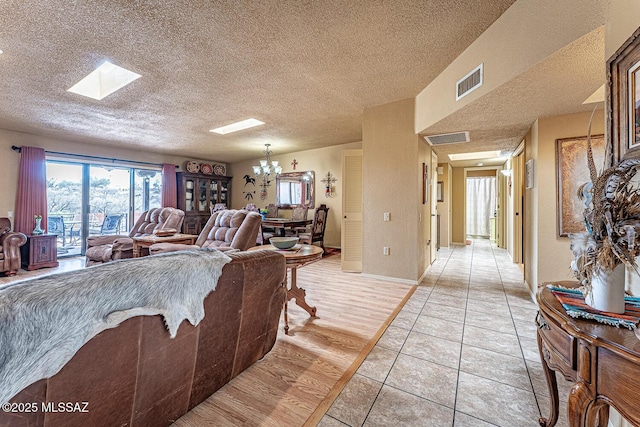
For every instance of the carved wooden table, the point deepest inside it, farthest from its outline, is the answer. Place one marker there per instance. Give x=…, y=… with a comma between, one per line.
x=602, y=360
x=299, y=256
x=146, y=241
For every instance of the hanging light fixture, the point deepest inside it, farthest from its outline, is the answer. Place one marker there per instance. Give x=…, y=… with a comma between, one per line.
x=265, y=170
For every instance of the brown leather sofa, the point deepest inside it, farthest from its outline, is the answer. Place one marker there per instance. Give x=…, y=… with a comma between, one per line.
x=136, y=375
x=225, y=230
x=10, y=243
x=108, y=248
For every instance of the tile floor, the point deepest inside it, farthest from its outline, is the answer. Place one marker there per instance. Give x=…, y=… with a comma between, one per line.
x=462, y=353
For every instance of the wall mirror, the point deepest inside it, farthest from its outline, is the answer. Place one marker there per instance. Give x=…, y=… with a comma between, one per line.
x=295, y=189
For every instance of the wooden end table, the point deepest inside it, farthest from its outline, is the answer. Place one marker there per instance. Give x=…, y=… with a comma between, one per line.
x=40, y=251
x=297, y=257
x=603, y=361
x=146, y=241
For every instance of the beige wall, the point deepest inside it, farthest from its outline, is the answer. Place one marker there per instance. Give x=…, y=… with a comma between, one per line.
x=548, y=256
x=321, y=161
x=530, y=211
x=623, y=19
x=444, y=207
x=392, y=159
x=457, y=207
x=9, y=159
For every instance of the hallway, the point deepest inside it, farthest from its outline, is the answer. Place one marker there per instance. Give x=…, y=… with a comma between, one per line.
x=462, y=352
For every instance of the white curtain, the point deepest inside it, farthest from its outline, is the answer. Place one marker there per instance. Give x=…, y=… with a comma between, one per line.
x=481, y=204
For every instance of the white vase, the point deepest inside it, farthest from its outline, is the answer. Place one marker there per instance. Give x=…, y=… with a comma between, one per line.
x=607, y=290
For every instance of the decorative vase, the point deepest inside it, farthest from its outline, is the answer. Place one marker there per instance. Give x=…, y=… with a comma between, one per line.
x=37, y=230
x=607, y=290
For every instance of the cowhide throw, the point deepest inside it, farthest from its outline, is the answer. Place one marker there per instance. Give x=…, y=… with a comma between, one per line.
x=45, y=321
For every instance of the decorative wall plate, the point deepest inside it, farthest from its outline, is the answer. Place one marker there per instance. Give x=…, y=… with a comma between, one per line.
x=193, y=167
x=206, y=168
x=220, y=170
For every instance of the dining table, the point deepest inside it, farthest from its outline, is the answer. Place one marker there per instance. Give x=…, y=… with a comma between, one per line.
x=281, y=224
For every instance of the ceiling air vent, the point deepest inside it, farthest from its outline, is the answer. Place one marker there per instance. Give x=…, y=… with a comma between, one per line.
x=447, y=138
x=470, y=82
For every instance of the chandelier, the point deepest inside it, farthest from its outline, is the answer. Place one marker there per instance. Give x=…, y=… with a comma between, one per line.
x=265, y=170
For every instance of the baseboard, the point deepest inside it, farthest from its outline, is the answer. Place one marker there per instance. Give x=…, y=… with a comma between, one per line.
x=389, y=279
x=532, y=292
x=426, y=270
x=458, y=244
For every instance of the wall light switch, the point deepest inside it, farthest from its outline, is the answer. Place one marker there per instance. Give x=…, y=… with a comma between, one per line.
x=385, y=250
x=10, y=214
x=387, y=216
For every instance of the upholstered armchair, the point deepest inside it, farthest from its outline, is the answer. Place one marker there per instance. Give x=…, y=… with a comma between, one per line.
x=226, y=230
x=108, y=248
x=10, y=243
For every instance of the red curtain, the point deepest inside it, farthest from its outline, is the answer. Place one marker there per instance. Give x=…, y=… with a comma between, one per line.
x=31, y=198
x=169, y=186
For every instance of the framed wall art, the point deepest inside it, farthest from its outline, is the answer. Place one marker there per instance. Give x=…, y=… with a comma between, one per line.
x=623, y=108
x=572, y=172
x=440, y=191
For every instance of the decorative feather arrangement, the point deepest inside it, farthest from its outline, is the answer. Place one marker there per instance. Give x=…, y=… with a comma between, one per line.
x=612, y=218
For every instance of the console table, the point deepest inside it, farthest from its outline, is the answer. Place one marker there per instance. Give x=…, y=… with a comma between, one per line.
x=602, y=360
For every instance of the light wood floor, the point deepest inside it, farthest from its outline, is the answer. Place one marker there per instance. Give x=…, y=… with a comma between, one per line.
x=298, y=380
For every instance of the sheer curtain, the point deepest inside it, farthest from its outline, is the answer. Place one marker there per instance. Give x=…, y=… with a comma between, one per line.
x=31, y=197
x=481, y=204
x=169, y=186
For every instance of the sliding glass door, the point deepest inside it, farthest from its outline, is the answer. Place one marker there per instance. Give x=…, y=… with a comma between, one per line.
x=88, y=200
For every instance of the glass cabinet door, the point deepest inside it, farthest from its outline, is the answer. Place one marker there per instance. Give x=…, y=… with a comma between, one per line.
x=214, y=192
x=188, y=196
x=202, y=196
x=224, y=192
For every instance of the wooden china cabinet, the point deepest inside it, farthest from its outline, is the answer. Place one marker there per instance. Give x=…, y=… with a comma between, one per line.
x=197, y=194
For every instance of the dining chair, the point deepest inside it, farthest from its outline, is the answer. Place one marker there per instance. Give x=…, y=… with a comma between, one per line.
x=317, y=228
x=299, y=213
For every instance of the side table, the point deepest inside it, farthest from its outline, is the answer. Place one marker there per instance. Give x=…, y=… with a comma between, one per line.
x=40, y=251
x=603, y=361
x=146, y=241
x=297, y=257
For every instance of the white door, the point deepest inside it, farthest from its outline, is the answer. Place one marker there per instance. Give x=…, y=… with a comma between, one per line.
x=434, y=206
x=351, y=233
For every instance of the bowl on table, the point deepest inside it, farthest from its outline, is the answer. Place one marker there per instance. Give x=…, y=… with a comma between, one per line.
x=284, y=242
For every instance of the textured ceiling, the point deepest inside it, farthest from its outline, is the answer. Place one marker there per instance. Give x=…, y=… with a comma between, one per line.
x=306, y=68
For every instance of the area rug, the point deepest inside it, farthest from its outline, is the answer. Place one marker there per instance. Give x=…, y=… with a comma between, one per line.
x=330, y=251
x=295, y=384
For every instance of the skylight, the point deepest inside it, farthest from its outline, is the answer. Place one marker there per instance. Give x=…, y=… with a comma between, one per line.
x=234, y=127
x=103, y=81
x=474, y=156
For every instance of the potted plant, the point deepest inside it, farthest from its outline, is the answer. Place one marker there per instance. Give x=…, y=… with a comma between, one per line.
x=612, y=237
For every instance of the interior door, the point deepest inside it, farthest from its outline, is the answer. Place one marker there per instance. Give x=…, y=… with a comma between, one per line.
x=434, y=206
x=351, y=230
x=518, y=220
